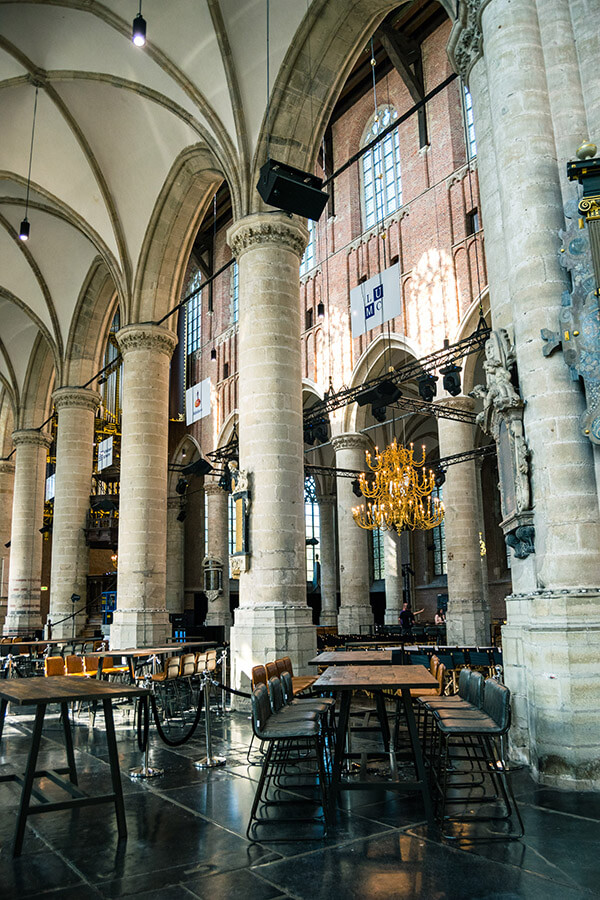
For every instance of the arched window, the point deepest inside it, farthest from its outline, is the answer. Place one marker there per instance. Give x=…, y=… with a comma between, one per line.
x=313, y=528
x=112, y=382
x=309, y=258
x=381, y=174
x=193, y=316
x=378, y=555
x=439, y=542
x=469, y=124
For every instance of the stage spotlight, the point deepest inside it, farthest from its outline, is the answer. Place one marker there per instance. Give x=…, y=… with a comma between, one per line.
x=428, y=387
x=356, y=488
x=451, y=382
x=181, y=486
x=181, y=515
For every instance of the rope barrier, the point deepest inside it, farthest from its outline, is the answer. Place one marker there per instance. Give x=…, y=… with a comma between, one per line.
x=161, y=733
x=230, y=690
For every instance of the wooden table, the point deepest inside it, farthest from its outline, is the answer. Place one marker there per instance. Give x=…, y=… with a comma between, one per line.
x=352, y=658
x=62, y=689
x=375, y=678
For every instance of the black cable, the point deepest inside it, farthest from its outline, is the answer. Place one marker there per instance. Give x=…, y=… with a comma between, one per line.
x=142, y=729
x=187, y=736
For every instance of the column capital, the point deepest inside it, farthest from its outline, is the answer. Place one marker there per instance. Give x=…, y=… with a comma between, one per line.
x=465, y=45
x=146, y=336
x=31, y=436
x=7, y=467
x=350, y=441
x=212, y=487
x=78, y=397
x=261, y=229
x=462, y=402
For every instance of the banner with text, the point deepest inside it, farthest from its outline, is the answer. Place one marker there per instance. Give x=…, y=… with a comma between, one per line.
x=375, y=301
x=105, y=453
x=197, y=401
x=50, y=487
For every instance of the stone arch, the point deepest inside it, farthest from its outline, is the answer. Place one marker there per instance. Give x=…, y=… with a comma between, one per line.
x=183, y=202
x=467, y=326
x=372, y=363
x=36, y=402
x=7, y=411
x=90, y=324
x=311, y=78
x=227, y=429
x=189, y=446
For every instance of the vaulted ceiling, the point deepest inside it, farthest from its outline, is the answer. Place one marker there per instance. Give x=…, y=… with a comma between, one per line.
x=112, y=119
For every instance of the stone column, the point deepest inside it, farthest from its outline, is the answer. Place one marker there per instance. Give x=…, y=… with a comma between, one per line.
x=273, y=618
x=553, y=628
x=7, y=479
x=175, y=535
x=74, y=459
x=218, y=548
x=393, y=577
x=327, y=559
x=23, y=609
x=141, y=616
x=355, y=614
x=468, y=618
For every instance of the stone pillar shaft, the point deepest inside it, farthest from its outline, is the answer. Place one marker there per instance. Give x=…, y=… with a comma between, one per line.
x=141, y=616
x=273, y=617
x=175, y=535
x=468, y=620
x=7, y=480
x=393, y=577
x=74, y=459
x=355, y=613
x=23, y=610
x=218, y=548
x=328, y=562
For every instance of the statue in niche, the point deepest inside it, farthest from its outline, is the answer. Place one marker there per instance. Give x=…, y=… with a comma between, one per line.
x=502, y=418
x=240, y=492
x=579, y=320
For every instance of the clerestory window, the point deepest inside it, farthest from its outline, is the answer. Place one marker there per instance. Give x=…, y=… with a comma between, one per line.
x=381, y=171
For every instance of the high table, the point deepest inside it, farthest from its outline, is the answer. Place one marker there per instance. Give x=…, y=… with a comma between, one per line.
x=132, y=653
x=374, y=678
x=39, y=692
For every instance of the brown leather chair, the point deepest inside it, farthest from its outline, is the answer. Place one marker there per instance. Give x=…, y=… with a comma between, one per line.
x=259, y=676
x=54, y=665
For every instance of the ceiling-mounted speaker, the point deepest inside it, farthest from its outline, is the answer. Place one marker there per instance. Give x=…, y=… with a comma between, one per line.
x=198, y=467
x=292, y=189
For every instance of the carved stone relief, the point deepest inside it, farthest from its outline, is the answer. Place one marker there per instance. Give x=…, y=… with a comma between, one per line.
x=502, y=418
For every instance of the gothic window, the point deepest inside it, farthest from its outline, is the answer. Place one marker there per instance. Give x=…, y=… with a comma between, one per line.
x=381, y=175
x=439, y=543
x=378, y=555
x=469, y=124
x=235, y=292
x=309, y=258
x=193, y=316
x=231, y=529
x=313, y=527
x=112, y=388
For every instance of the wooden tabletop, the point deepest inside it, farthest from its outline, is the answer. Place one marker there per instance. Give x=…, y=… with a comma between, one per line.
x=352, y=657
x=350, y=678
x=63, y=689
x=154, y=651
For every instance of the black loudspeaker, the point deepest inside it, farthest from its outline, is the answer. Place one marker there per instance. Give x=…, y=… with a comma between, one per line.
x=291, y=189
x=199, y=467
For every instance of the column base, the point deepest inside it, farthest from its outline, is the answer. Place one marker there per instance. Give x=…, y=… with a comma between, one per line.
x=264, y=633
x=328, y=619
x=551, y=648
x=139, y=628
x=25, y=622
x=468, y=623
x=355, y=620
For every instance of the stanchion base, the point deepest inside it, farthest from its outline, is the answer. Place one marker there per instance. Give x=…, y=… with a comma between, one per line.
x=210, y=762
x=145, y=772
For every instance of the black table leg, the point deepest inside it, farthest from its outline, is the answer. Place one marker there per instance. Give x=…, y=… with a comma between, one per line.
x=115, y=773
x=383, y=719
x=417, y=754
x=3, y=705
x=28, y=781
x=340, y=744
x=64, y=714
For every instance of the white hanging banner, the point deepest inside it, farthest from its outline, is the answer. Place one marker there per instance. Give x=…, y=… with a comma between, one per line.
x=50, y=482
x=375, y=301
x=197, y=401
x=105, y=453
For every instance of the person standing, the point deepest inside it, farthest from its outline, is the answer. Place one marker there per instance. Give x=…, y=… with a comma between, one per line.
x=407, y=618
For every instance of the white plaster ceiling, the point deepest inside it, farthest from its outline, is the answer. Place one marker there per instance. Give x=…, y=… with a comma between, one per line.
x=111, y=121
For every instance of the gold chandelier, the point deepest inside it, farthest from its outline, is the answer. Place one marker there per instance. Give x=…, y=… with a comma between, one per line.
x=399, y=492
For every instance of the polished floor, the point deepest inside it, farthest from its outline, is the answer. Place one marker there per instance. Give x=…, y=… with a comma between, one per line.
x=187, y=834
